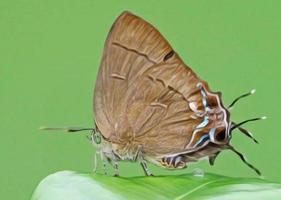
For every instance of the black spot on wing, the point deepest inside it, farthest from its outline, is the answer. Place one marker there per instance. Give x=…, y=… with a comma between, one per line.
x=168, y=55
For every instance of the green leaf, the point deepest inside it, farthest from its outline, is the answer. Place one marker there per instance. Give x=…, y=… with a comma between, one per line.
x=67, y=185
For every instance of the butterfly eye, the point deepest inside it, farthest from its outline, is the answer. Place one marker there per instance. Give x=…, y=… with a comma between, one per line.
x=97, y=138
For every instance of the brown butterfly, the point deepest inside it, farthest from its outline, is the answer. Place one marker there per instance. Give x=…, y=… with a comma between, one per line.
x=150, y=106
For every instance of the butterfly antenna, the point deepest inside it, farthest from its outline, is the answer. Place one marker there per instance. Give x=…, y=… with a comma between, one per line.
x=246, y=132
x=242, y=157
x=241, y=97
x=67, y=129
x=246, y=121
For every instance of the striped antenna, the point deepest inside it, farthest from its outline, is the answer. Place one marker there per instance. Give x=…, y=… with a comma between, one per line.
x=66, y=129
x=241, y=97
x=246, y=121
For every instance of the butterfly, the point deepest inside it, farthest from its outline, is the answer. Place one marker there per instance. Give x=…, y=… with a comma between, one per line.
x=149, y=106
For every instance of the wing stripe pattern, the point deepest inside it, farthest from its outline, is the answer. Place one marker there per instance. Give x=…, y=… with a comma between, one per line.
x=135, y=51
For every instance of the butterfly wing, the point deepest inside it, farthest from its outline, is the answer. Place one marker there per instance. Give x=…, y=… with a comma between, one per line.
x=132, y=47
x=144, y=93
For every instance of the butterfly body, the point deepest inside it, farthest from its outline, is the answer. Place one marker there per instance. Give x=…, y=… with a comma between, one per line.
x=150, y=106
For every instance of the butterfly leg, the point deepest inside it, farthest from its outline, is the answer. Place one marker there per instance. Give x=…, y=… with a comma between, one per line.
x=103, y=163
x=145, y=168
x=139, y=156
x=95, y=162
x=116, y=168
x=104, y=167
x=98, y=154
x=114, y=164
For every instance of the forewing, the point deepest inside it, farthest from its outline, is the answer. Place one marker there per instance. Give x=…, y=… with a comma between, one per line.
x=132, y=47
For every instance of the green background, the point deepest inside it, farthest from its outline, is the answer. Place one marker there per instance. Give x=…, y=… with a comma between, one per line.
x=50, y=53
